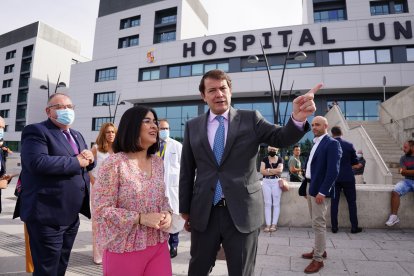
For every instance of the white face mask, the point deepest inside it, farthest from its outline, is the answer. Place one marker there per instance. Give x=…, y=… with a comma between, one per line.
x=359, y=155
x=164, y=134
x=1, y=133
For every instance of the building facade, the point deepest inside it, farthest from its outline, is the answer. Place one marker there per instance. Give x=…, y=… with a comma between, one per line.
x=155, y=52
x=29, y=56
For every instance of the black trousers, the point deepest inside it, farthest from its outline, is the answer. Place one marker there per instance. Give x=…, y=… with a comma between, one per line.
x=51, y=247
x=350, y=195
x=240, y=248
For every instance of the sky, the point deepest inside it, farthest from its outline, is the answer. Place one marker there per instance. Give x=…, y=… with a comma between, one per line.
x=77, y=18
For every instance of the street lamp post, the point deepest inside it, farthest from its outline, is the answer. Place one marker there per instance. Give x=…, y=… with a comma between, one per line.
x=297, y=56
x=112, y=119
x=47, y=87
x=384, y=83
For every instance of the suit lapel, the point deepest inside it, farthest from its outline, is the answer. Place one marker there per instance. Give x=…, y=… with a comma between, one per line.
x=59, y=137
x=320, y=146
x=233, y=128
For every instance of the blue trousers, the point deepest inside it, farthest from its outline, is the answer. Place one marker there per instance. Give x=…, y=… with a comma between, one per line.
x=350, y=195
x=51, y=246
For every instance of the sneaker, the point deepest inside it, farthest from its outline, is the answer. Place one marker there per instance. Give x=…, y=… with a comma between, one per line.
x=392, y=220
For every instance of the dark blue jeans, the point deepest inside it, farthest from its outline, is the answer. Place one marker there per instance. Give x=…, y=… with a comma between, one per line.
x=350, y=194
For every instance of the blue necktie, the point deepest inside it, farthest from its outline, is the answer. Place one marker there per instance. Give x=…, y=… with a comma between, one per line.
x=218, y=149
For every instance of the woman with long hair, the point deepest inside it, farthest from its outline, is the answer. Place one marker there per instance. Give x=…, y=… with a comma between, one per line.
x=101, y=150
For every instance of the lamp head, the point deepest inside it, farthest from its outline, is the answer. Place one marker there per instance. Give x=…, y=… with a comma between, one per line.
x=43, y=87
x=122, y=103
x=298, y=56
x=61, y=84
x=253, y=59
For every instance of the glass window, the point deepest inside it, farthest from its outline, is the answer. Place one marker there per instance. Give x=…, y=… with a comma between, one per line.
x=161, y=112
x=174, y=72
x=4, y=113
x=105, y=97
x=354, y=109
x=7, y=83
x=155, y=74
x=130, y=22
x=97, y=122
x=209, y=67
x=371, y=108
x=146, y=75
x=197, y=69
x=410, y=54
x=185, y=71
x=367, y=56
x=379, y=7
x=11, y=54
x=106, y=74
x=307, y=64
x=293, y=65
x=335, y=58
x=129, y=41
x=383, y=55
x=276, y=67
x=8, y=69
x=150, y=74
x=223, y=66
x=5, y=98
x=351, y=57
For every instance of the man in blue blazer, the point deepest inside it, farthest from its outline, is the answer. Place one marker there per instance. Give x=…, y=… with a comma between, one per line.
x=346, y=182
x=55, y=185
x=322, y=170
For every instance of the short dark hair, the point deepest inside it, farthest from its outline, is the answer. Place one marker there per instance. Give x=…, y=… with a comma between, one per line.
x=127, y=137
x=336, y=131
x=410, y=143
x=296, y=146
x=214, y=74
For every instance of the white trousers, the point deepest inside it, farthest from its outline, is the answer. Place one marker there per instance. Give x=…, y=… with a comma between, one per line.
x=272, y=194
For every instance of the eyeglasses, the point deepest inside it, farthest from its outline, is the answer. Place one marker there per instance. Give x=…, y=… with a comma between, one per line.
x=148, y=121
x=62, y=106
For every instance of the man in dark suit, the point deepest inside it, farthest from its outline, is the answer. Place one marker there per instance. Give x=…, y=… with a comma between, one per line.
x=220, y=192
x=322, y=170
x=55, y=185
x=3, y=175
x=346, y=182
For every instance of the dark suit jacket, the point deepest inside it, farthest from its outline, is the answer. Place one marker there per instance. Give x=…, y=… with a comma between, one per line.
x=237, y=172
x=55, y=189
x=325, y=167
x=348, y=159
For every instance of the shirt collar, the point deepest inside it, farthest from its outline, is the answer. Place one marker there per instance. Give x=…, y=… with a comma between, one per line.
x=318, y=139
x=212, y=116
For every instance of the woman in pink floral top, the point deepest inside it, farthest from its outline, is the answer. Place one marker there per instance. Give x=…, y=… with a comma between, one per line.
x=131, y=209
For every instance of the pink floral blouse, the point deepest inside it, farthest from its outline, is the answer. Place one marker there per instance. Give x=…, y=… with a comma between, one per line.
x=120, y=193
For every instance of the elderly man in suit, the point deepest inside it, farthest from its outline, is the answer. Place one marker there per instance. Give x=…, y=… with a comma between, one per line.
x=55, y=185
x=345, y=182
x=220, y=192
x=322, y=170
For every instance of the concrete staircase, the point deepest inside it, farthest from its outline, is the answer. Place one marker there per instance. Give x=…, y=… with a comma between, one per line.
x=388, y=148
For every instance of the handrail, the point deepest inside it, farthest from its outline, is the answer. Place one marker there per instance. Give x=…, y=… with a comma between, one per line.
x=393, y=120
x=387, y=171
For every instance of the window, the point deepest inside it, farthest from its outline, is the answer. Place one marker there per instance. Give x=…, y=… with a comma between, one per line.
x=368, y=56
x=5, y=98
x=8, y=69
x=129, y=41
x=7, y=83
x=106, y=74
x=198, y=69
x=165, y=37
x=410, y=54
x=19, y=125
x=130, y=22
x=351, y=57
x=388, y=7
x=365, y=110
x=379, y=7
x=106, y=97
x=97, y=122
x=329, y=15
x=150, y=74
x=11, y=54
x=21, y=111
x=4, y=113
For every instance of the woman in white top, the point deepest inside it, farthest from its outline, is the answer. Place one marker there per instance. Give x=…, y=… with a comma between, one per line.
x=101, y=150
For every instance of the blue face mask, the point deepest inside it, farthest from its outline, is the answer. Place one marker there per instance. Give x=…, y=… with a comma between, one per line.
x=164, y=134
x=1, y=133
x=65, y=116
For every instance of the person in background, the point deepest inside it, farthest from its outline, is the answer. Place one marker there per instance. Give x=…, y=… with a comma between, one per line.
x=404, y=186
x=359, y=172
x=295, y=166
x=170, y=152
x=101, y=150
x=55, y=185
x=220, y=193
x=3, y=155
x=271, y=168
x=345, y=182
x=322, y=169
x=131, y=210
